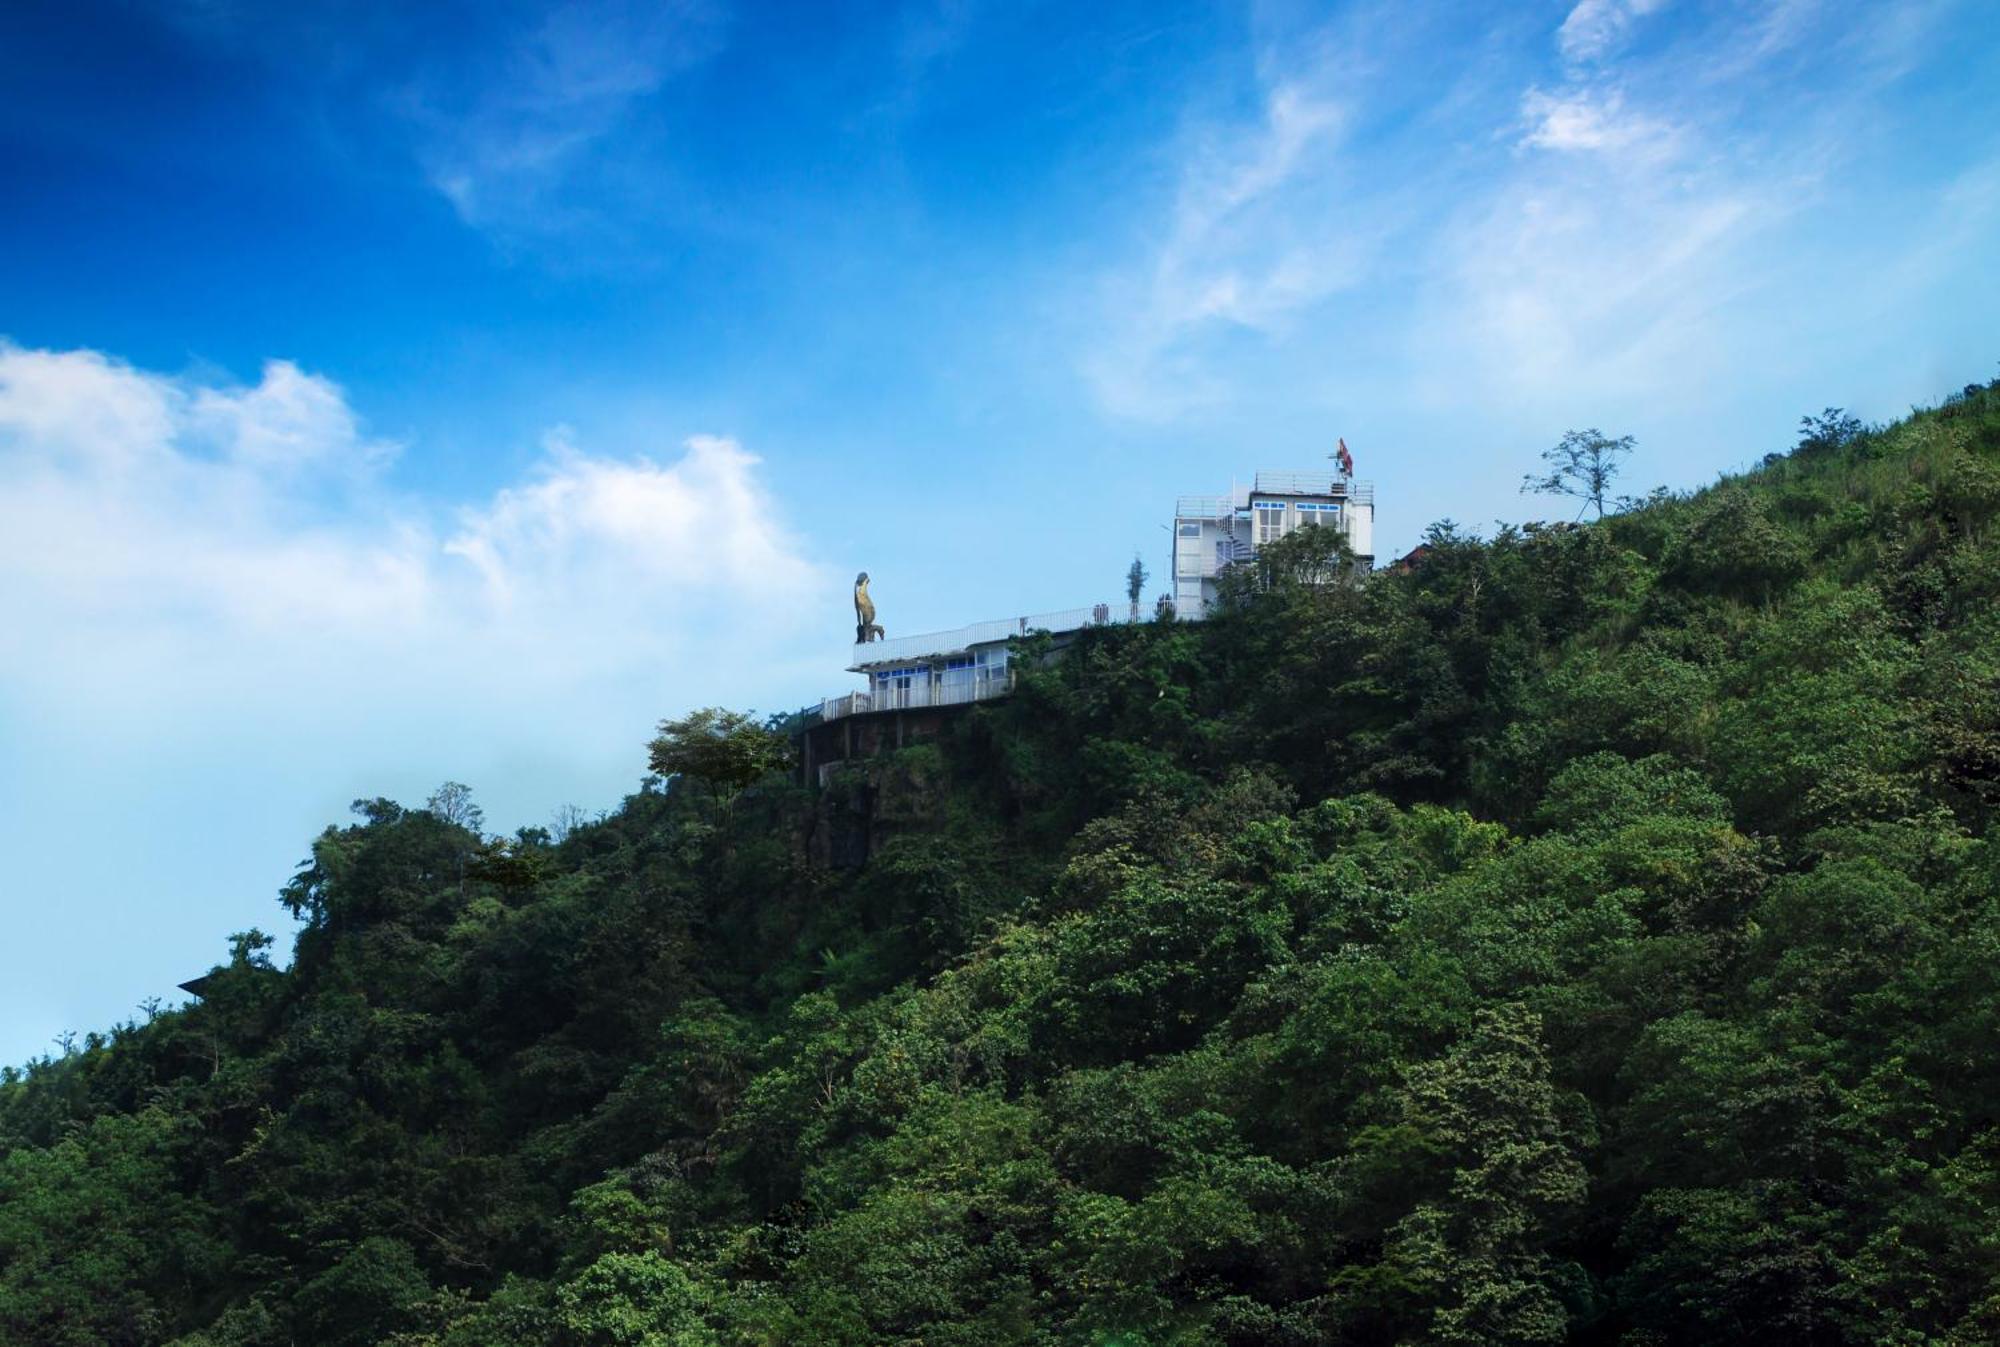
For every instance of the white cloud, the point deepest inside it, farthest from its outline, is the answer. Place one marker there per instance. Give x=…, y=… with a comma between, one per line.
x=1594, y=282
x=290, y=420
x=1445, y=205
x=1590, y=120
x=1254, y=239
x=697, y=537
x=220, y=622
x=1647, y=252
x=506, y=143
x=171, y=545
x=1595, y=29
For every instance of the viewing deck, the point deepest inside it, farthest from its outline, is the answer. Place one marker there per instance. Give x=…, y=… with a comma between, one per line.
x=1275, y=484
x=1314, y=484
x=988, y=683
x=931, y=684
x=958, y=640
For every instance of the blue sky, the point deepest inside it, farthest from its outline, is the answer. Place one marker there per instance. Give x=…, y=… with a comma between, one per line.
x=398, y=393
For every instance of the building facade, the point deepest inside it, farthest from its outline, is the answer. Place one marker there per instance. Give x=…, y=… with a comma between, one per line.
x=1212, y=533
x=952, y=668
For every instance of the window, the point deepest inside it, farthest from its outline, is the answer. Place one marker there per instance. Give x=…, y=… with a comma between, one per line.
x=1187, y=549
x=1270, y=520
x=957, y=678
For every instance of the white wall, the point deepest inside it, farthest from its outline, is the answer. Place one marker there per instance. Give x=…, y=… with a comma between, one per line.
x=1361, y=528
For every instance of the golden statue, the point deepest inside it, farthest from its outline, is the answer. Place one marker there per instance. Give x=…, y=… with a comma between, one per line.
x=865, y=629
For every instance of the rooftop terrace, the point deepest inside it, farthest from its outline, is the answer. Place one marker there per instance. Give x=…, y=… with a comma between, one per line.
x=956, y=640
x=1275, y=484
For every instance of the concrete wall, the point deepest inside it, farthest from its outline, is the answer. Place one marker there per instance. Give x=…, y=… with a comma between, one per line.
x=867, y=735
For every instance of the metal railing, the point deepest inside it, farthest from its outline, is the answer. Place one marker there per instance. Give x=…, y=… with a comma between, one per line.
x=1315, y=484
x=833, y=708
x=1276, y=484
x=957, y=640
x=920, y=693
x=1204, y=507
x=1301, y=484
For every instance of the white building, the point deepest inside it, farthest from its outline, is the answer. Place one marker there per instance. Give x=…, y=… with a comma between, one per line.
x=951, y=668
x=1211, y=532
x=970, y=664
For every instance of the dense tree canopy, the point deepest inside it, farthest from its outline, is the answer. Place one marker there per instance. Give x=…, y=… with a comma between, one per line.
x=725, y=750
x=1589, y=936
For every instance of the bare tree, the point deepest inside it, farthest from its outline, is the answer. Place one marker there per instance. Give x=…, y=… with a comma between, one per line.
x=566, y=821
x=1582, y=466
x=452, y=803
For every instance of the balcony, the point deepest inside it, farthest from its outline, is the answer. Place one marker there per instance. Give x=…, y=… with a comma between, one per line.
x=921, y=693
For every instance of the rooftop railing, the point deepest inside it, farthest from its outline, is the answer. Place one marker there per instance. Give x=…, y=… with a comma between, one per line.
x=1301, y=484
x=1315, y=484
x=956, y=640
x=1275, y=484
x=1204, y=507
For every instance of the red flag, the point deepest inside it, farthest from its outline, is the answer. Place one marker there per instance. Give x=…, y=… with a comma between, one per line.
x=1346, y=460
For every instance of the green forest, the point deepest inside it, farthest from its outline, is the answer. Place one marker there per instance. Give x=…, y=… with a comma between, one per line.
x=1587, y=934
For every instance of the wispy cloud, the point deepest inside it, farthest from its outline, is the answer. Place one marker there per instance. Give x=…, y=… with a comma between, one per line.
x=1588, y=120
x=1595, y=29
x=1252, y=240
x=508, y=138
x=1605, y=230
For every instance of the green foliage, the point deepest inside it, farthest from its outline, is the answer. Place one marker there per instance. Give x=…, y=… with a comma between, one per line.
x=98, y=1233
x=725, y=750
x=1589, y=936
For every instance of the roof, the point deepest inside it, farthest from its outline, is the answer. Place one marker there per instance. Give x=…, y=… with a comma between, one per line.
x=959, y=640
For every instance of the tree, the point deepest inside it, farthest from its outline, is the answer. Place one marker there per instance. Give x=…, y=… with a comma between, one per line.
x=1581, y=466
x=1135, y=583
x=1305, y=559
x=1627, y=975
x=725, y=750
x=452, y=803
x=1831, y=429
x=566, y=821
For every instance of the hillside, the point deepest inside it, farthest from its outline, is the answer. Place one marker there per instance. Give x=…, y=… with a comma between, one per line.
x=1589, y=936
